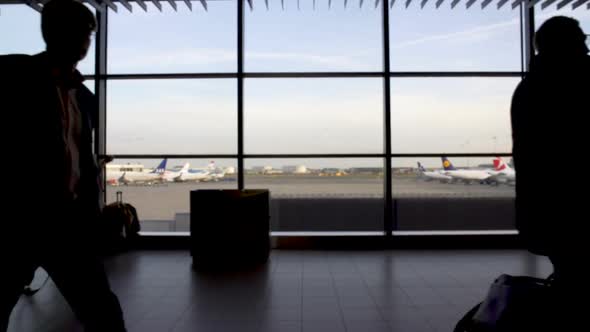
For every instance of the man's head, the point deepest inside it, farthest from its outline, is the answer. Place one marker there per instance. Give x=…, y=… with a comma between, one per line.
x=561, y=37
x=67, y=27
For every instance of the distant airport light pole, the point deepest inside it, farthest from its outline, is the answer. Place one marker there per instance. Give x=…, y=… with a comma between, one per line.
x=494, y=138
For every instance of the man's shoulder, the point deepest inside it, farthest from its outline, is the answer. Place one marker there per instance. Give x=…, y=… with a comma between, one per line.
x=15, y=57
x=9, y=61
x=20, y=65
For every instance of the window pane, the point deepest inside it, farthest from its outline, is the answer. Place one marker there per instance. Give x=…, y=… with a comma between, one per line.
x=162, y=199
x=327, y=195
x=458, y=39
x=477, y=194
x=324, y=39
x=29, y=40
x=451, y=115
x=313, y=115
x=174, y=41
x=27, y=22
x=90, y=84
x=172, y=117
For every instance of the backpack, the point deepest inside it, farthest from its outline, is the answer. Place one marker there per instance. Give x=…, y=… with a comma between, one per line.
x=119, y=226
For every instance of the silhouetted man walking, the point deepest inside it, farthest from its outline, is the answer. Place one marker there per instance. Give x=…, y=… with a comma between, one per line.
x=48, y=127
x=550, y=136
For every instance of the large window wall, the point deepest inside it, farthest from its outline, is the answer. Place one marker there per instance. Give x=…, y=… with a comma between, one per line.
x=329, y=105
x=320, y=105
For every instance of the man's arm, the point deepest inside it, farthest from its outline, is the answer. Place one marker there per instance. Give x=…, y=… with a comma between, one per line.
x=89, y=165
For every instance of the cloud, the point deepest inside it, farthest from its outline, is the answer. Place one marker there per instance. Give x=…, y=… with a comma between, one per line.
x=129, y=60
x=346, y=62
x=478, y=32
x=487, y=30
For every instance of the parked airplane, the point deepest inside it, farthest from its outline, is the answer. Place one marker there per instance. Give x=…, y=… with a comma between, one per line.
x=217, y=173
x=170, y=176
x=433, y=175
x=209, y=173
x=466, y=175
x=156, y=175
x=503, y=173
x=192, y=175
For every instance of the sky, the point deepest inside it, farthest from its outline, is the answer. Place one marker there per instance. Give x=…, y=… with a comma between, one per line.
x=429, y=115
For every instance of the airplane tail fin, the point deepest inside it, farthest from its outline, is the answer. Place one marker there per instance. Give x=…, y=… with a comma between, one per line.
x=421, y=168
x=447, y=165
x=499, y=164
x=185, y=168
x=161, y=168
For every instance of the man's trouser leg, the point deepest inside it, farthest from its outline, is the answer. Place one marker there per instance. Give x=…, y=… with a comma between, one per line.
x=81, y=278
x=569, y=286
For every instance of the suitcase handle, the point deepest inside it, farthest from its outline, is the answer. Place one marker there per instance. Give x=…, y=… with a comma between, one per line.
x=119, y=197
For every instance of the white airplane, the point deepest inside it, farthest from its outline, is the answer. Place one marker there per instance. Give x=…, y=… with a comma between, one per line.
x=429, y=176
x=192, y=175
x=209, y=173
x=170, y=176
x=465, y=175
x=113, y=177
x=216, y=173
x=503, y=173
x=156, y=175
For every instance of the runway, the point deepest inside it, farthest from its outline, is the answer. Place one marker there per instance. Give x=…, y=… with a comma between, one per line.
x=164, y=201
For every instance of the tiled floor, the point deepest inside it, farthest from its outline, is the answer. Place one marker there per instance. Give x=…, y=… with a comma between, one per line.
x=413, y=291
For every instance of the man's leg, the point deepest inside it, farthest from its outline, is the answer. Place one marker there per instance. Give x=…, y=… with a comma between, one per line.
x=569, y=287
x=81, y=279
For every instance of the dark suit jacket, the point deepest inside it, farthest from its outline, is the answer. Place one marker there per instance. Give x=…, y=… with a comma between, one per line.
x=34, y=146
x=551, y=136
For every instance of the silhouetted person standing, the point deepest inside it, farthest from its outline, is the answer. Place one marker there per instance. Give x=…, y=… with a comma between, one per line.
x=47, y=129
x=550, y=138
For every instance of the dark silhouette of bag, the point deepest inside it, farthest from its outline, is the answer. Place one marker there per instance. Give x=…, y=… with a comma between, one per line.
x=119, y=226
x=229, y=228
x=513, y=303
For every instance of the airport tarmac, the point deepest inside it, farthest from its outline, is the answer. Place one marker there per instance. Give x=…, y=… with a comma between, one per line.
x=164, y=201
